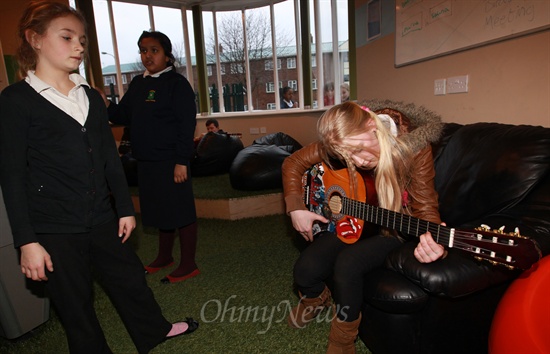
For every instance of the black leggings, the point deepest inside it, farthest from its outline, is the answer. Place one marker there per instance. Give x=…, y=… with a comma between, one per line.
x=346, y=263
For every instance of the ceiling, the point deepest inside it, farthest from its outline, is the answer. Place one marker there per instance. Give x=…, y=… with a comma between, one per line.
x=206, y=5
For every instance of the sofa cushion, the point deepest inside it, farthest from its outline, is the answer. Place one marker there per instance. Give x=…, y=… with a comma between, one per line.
x=455, y=276
x=487, y=168
x=390, y=292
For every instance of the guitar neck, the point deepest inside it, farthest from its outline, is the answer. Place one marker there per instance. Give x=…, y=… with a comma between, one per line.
x=398, y=221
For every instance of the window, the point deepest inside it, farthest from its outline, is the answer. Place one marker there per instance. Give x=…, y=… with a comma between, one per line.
x=269, y=64
x=291, y=63
x=109, y=80
x=293, y=84
x=237, y=68
x=241, y=54
x=270, y=87
x=124, y=79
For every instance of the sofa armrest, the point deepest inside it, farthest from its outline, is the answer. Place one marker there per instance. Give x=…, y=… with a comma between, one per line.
x=455, y=276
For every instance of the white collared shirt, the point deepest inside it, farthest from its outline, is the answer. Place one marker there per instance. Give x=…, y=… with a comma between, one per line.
x=147, y=73
x=290, y=104
x=76, y=104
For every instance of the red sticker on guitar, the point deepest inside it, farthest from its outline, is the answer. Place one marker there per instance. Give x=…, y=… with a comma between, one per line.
x=349, y=228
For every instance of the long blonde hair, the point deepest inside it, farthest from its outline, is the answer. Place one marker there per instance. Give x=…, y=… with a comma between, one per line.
x=348, y=119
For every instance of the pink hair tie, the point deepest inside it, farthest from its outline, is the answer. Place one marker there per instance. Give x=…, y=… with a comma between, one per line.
x=365, y=108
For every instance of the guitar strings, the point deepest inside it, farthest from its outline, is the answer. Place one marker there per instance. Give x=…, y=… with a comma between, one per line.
x=394, y=220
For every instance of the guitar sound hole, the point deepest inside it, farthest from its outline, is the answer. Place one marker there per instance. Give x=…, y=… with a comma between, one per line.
x=335, y=203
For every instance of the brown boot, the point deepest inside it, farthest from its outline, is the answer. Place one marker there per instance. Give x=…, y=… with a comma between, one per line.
x=341, y=339
x=308, y=308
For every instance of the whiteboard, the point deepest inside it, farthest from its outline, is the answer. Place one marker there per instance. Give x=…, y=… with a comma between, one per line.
x=429, y=28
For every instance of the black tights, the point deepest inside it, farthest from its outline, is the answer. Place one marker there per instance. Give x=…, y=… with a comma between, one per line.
x=347, y=264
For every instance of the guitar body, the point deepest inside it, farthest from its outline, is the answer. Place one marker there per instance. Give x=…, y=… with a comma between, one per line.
x=323, y=185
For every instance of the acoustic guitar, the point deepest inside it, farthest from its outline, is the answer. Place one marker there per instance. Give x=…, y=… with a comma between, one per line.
x=327, y=193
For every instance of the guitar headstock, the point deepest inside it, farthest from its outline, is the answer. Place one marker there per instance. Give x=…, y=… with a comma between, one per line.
x=498, y=247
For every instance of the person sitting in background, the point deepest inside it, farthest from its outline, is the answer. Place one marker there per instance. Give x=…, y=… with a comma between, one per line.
x=286, y=98
x=344, y=92
x=212, y=125
x=328, y=94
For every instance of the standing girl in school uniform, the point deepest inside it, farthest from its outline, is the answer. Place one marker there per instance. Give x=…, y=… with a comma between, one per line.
x=160, y=109
x=60, y=172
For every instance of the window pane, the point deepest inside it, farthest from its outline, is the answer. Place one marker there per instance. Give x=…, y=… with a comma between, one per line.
x=285, y=29
x=260, y=52
x=169, y=22
x=130, y=21
x=231, y=52
x=335, y=67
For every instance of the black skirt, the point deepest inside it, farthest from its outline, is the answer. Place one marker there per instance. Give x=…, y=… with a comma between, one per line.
x=164, y=204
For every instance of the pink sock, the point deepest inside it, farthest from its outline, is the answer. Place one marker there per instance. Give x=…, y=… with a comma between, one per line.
x=177, y=328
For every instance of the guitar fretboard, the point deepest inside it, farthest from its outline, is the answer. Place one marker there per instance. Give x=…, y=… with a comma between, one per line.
x=397, y=221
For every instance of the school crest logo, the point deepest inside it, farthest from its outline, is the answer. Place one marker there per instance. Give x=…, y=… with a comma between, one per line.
x=150, y=96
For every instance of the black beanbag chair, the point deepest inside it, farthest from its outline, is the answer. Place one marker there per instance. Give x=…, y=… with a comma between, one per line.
x=258, y=166
x=214, y=154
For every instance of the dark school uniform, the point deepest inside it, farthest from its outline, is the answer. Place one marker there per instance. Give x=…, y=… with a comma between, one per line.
x=161, y=113
x=59, y=180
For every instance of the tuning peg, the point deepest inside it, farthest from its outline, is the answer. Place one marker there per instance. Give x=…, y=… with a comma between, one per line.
x=485, y=227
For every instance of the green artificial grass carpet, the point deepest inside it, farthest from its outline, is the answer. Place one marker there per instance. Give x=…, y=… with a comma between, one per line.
x=241, y=298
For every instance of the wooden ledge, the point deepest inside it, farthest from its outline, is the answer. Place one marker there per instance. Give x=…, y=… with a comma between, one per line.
x=236, y=208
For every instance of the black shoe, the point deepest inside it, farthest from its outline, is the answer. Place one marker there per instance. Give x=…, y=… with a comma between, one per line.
x=193, y=325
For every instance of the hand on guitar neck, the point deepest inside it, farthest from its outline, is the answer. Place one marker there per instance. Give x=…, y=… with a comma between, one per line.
x=428, y=250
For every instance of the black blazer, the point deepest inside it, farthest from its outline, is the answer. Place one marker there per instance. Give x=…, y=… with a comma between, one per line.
x=57, y=176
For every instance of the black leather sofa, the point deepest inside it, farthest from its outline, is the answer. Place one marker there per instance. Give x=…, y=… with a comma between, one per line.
x=486, y=173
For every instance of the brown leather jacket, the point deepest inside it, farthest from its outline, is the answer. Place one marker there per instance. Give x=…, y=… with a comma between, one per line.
x=423, y=201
